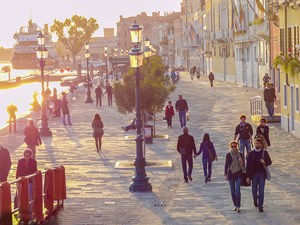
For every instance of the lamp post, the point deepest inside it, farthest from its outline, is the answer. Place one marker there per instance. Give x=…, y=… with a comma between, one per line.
x=87, y=55
x=147, y=50
x=42, y=55
x=140, y=181
x=106, y=55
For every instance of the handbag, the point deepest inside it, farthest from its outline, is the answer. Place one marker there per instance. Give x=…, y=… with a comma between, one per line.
x=212, y=157
x=187, y=116
x=268, y=173
x=244, y=181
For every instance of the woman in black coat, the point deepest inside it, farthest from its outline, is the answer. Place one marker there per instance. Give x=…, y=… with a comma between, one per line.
x=262, y=131
x=98, y=131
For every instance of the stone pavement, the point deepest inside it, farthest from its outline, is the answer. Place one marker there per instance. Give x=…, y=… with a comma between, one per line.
x=98, y=193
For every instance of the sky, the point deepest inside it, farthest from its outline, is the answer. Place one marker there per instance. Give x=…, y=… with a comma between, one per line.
x=16, y=13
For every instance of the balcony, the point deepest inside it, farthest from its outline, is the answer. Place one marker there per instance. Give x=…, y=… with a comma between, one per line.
x=260, y=31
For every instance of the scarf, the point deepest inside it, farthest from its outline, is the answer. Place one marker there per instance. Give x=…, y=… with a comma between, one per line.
x=236, y=165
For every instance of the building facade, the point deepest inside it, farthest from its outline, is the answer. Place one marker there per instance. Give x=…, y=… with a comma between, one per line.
x=289, y=23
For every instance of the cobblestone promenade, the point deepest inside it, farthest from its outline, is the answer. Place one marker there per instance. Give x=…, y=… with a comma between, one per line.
x=98, y=193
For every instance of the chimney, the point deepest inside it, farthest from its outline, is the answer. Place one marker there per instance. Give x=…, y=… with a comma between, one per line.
x=46, y=30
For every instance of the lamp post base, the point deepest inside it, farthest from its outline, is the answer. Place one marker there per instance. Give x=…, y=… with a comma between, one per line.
x=88, y=100
x=140, y=181
x=45, y=132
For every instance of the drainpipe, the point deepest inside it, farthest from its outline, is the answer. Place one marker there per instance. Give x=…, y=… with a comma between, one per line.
x=285, y=39
x=187, y=37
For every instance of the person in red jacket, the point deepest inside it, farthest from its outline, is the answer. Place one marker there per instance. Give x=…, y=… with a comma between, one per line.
x=169, y=113
x=32, y=137
x=26, y=165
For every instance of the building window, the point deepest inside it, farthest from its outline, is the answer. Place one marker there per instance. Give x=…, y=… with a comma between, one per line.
x=297, y=99
x=248, y=54
x=290, y=40
x=255, y=54
x=285, y=95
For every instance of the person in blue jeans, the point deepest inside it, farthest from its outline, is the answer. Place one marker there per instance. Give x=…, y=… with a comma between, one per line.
x=181, y=107
x=186, y=147
x=233, y=172
x=205, y=147
x=245, y=132
x=257, y=160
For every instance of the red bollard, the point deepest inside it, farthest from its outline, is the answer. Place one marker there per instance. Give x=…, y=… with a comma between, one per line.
x=5, y=201
x=38, y=193
x=63, y=183
x=57, y=183
x=49, y=191
x=23, y=199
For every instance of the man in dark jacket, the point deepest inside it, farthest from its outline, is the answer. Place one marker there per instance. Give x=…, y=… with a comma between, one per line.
x=245, y=132
x=186, y=147
x=99, y=94
x=109, y=91
x=32, y=137
x=181, y=107
x=255, y=171
x=211, y=78
x=269, y=97
x=65, y=109
x=5, y=164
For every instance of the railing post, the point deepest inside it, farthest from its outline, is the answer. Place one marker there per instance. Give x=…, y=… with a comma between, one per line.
x=5, y=207
x=23, y=199
x=38, y=201
x=63, y=183
x=57, y=183
x=49, y=191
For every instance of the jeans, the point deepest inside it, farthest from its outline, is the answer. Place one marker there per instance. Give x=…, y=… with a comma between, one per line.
x=207, y=163
x=258, y=180
x=182, y=118
x=98, y=100
x=270, y=108
x=235, y=188
x=189, y=159
x=244, y=143
x=109, y=100
x=169, y=121
x=69, y=119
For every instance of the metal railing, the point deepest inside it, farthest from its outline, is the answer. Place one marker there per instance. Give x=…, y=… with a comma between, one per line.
x=37, y=197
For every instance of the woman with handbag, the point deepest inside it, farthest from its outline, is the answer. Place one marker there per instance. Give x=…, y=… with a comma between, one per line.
x=98, y=131
x=208, y=156
x=234, y=169
x=262, y=131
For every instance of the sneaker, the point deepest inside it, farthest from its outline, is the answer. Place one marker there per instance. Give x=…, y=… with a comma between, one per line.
x=238, y=210
x=186, y=180
x=70, y=124
x=234, y=209
x=261, y=210
x=123, y=128
x=206, y=179
x=190, y=177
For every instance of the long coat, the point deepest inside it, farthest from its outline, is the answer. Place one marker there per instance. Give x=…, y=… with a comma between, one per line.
x=5, y=164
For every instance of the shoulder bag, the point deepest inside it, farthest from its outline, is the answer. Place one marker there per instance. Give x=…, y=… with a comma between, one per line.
x=268, y=174
x=212, y=157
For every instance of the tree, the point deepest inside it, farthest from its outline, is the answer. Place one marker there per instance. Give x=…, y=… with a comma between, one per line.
x=74, y=32
x=154, y=88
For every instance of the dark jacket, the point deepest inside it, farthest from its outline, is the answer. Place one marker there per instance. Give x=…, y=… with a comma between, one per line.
x=109, y=90
x=5, y=164
x=244, y=131
x=169, y=111
x=205, y=147
x=186, y=141
x=64, y=106
x=211, y=76
x=24, y=169
x=32, y=136
x=99, y=92
x=181, y=105
x=227, y=170
x=254, y=165
x=269, y=95
x=265, y=133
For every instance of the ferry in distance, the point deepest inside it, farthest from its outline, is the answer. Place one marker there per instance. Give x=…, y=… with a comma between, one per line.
x=24, y=51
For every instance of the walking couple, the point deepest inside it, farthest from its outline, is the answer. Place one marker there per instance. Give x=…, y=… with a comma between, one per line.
x=236, y=172
x=187, y=148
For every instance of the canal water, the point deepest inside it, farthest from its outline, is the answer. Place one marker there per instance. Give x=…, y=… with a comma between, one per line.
x=22, y=97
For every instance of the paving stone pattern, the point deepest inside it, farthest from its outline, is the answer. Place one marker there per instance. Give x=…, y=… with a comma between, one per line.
x=98, y=194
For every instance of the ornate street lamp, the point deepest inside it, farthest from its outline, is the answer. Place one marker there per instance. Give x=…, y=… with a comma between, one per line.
x=140, y=181
x=106, y=55
x=87, y=55
x=42, y=55
x=147, y=50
